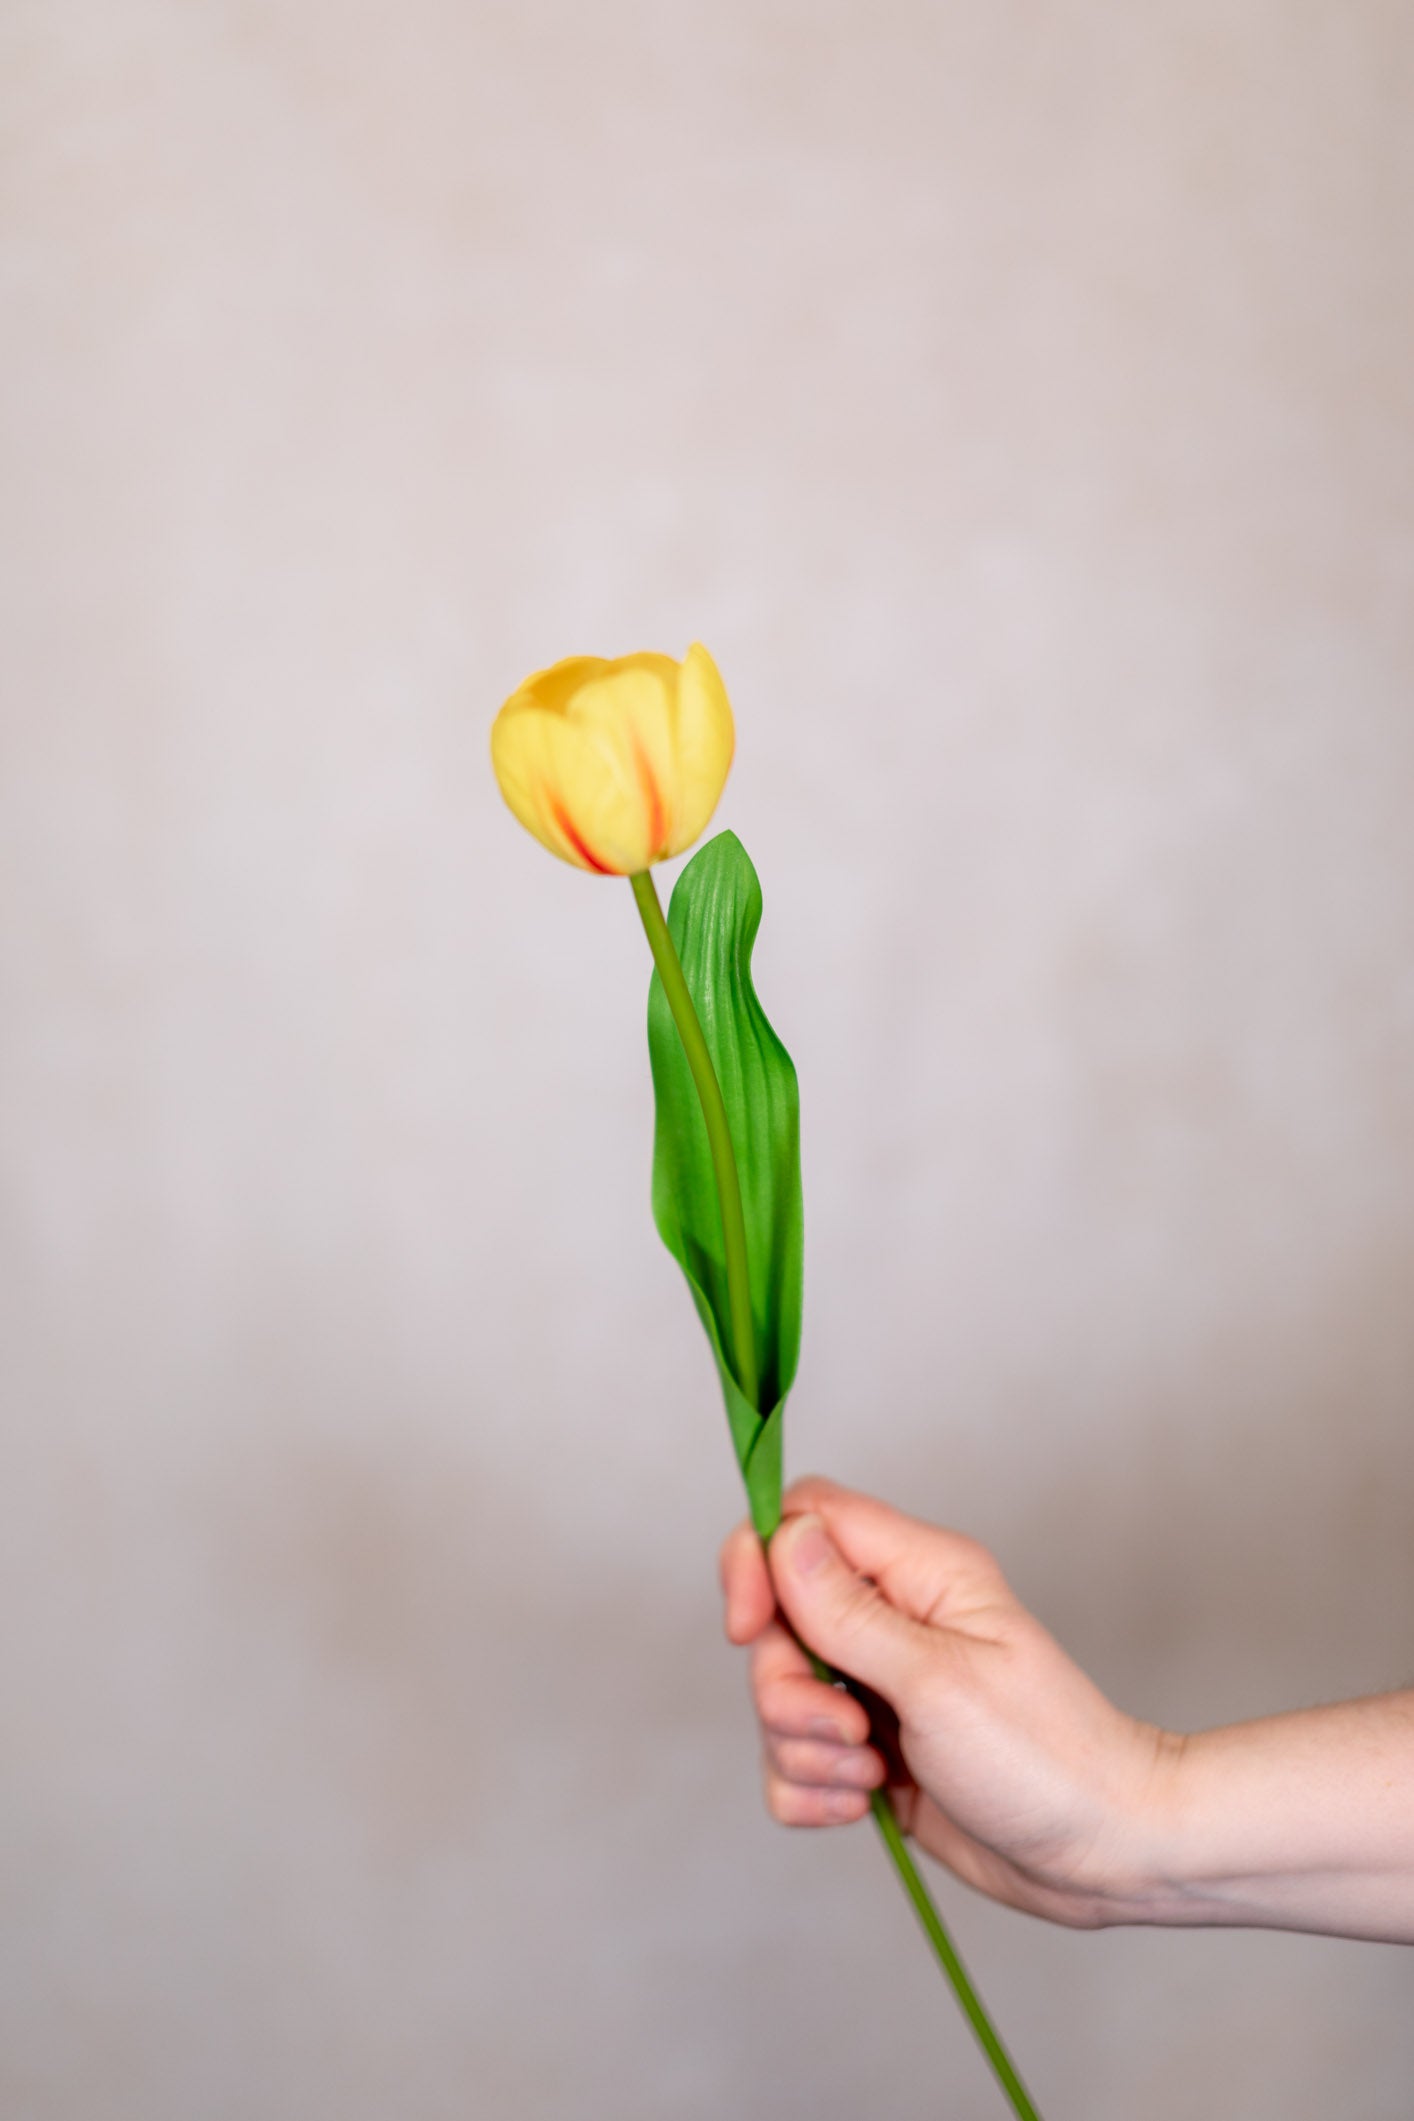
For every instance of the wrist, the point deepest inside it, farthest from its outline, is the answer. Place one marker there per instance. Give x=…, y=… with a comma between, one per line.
x=1134, y=1874
x=1157, y=1886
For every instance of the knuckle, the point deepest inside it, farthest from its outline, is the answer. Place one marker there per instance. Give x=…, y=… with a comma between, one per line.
x=762, y=1682
x=794, y=1806
x=980, y=1558
x=810, y=1804
x=810, y=1760
x=773, y=1706
x=820, y=1766
x=778, y=1797
x=773, y=1656
x=976, y=1566
x=792, y=1759
x=787, y=1706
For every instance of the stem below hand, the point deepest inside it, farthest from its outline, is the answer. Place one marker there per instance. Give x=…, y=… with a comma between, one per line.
x=935, y=1929
x=719, y=1138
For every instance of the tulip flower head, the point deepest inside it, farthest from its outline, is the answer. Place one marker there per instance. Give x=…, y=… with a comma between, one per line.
x=616, y=765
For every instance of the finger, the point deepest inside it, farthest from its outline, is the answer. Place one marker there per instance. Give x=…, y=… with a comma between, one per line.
x=777, y=1655
x=845, y=1618
x=746, y=1584
x=793, y=1703
x=813, y=1763
x=793, y=1804
x=930, y=1573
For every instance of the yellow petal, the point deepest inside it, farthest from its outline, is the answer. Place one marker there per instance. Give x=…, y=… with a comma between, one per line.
x=537, y=756
x=706, y=742
x=556, y=687
x=628, y=713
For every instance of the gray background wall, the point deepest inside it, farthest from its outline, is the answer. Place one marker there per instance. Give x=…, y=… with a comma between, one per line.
x=1018, y=402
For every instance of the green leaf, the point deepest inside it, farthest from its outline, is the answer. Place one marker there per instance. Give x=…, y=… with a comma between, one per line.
x=713, y=919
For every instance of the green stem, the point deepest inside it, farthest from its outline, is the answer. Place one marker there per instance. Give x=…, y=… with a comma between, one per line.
x=714, y=1112
x=935, y=1929
x=948, y=1956
x=719, y=1136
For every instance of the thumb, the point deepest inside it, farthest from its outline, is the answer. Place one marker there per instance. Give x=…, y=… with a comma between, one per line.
x=840, y=1615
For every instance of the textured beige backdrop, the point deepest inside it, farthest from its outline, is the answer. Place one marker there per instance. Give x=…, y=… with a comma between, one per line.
x=1019, y=402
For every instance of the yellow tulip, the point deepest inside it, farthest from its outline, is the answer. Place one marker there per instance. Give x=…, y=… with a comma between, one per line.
x=615, y=765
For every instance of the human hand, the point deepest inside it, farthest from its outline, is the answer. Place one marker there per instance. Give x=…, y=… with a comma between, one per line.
x=1012, y=1768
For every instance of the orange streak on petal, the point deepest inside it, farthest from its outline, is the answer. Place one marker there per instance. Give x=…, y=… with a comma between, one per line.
x=653, y=796
x=585, y=853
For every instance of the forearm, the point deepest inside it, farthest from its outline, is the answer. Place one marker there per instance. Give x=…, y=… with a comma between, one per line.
x=1301, y=1822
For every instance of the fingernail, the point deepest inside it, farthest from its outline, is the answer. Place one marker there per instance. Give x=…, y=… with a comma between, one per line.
x=825, y=1727
x=809, y=1548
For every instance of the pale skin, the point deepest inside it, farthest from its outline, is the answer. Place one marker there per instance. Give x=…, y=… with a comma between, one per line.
x=1015, y=1771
